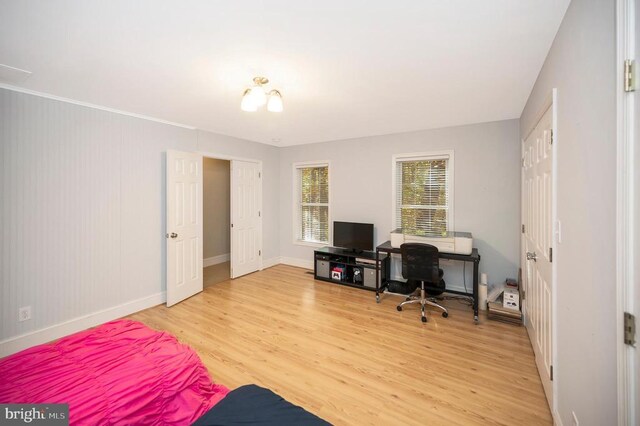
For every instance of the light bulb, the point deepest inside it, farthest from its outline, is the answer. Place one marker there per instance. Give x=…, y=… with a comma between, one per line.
x=258, y=95
x=275, y=101
x=248, y=104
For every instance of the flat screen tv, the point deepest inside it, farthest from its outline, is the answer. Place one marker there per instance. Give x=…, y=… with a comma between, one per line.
x=353, y=236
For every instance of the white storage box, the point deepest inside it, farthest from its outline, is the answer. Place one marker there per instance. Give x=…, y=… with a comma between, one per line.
x=511, y=298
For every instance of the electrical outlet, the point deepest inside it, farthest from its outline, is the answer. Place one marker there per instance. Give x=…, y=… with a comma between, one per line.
x=575, y=419
x=24, y=313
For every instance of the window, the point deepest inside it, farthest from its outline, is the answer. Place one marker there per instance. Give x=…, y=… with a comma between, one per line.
x=423, y=193
x=312, y=203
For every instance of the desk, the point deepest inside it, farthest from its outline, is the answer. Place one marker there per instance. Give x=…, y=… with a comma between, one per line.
x=474, y=257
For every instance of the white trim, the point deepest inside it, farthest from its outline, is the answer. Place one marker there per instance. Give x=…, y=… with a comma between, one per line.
x=299, y=263
x=216, y=260
x=217, y=156
x=90, y=105
x=430, y=155
x=296, y=214
x=47, y=334
x=271, y=262
x=557, y=257
x=311, y=243
x=548, y=101
x=625, y=227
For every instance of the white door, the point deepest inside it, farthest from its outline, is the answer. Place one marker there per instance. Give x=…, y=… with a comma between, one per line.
x=184, y=225
x=634, y=172
x=246, y=217
x=537, y=244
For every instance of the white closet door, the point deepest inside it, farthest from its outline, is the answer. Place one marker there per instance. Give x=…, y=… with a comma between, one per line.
x=246, y=217
x=538, y=244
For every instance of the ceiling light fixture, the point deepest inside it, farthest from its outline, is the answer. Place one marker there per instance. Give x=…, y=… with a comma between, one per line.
x=256, y=96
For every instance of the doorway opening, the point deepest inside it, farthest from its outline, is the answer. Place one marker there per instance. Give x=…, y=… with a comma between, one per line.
x=232, y=217
x=216, y=206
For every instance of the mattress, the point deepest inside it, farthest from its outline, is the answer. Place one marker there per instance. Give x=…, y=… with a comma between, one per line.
x=120, y=373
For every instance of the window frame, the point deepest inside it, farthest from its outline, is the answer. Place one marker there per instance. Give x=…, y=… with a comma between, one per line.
x=297, y=205
x=418, y=156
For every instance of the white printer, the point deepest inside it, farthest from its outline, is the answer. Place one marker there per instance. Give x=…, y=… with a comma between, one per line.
x=451, y=242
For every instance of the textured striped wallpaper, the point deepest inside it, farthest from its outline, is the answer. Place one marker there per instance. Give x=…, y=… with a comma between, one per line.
x=82, y=207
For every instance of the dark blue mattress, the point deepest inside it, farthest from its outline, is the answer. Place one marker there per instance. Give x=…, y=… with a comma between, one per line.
x=253, y=405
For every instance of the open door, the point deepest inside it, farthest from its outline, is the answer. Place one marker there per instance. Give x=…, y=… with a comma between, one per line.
x=246, y=217
x=538, y=245
x=184, y=225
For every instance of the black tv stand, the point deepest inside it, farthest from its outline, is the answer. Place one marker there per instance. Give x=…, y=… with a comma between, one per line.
x=352, y=268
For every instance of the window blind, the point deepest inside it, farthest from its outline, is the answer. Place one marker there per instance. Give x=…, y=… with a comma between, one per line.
x=314, y=203
x=422, y=196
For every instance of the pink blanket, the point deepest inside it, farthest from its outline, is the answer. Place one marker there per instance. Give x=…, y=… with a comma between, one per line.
x=121, y=372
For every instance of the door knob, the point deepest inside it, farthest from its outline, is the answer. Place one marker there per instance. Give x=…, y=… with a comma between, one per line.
x=173, y=235
x=532, y=256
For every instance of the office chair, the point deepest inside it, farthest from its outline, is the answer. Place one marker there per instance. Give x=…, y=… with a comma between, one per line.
x=420, y=262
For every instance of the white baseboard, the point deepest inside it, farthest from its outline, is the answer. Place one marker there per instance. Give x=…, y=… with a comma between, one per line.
x=215, y=260
x=47, y=334
x=300, y=263
x=271, y=262
x=557, y=420
x=53, y=332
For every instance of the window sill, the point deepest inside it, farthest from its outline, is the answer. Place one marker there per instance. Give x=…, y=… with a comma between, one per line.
x=310, y=243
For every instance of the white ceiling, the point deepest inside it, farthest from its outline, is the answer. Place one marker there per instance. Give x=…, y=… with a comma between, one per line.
x=345, y=68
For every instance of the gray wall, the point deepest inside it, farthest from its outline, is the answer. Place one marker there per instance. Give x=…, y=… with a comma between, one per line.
x=82, y=206
x=581, y=64
x=487, y=188
x=216, y=207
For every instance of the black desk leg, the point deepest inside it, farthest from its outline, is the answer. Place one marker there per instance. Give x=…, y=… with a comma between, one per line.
x=377, y=276
x=475, y=292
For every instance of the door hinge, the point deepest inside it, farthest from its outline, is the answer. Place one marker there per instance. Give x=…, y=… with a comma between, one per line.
x=629, y=80
x=259, y=213
x=259, y=252
x=259, y=174
x=551, y=139
x=523, y=228
x=629, y=329
x=551, y=373
x=550, y=254
x=524, y=295
x=232, y=225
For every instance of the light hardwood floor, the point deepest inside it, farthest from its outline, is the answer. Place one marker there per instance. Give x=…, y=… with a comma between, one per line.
x=216, y=273
x=338, y=354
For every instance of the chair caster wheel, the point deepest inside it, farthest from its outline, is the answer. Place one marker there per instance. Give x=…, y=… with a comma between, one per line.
x=445, y=314
x=399, y=308
x=424, y=319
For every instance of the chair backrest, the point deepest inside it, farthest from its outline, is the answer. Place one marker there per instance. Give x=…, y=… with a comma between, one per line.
x=420, y=262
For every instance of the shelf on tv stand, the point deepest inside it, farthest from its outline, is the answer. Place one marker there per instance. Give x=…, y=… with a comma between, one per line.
x=337, y=251
x=330, y=256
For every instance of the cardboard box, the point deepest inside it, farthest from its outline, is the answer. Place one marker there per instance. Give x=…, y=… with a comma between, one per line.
x=499, y=313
